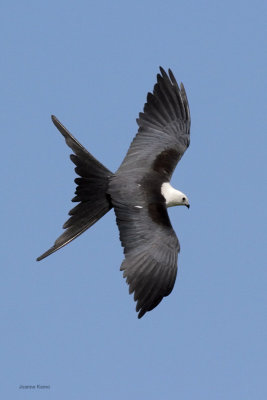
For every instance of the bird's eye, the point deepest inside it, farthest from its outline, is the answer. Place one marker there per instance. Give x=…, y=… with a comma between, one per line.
x=183, y=198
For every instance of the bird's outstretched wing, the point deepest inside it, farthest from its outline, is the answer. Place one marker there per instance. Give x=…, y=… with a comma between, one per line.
x=150, y=244
x=164, y=130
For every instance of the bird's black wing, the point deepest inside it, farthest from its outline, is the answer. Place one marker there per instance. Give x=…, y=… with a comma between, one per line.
x=164, y=130
x=150, y=244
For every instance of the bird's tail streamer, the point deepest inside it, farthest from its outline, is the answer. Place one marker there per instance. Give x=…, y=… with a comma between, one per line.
x=91, y=192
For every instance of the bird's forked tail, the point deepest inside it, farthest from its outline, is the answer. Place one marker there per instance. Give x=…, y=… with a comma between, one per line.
x=91, y=192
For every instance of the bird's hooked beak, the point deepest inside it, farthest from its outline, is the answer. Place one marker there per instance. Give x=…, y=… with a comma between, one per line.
x=188, y=206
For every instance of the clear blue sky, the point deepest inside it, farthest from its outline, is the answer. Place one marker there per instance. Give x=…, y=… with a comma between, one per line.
x=69, y=321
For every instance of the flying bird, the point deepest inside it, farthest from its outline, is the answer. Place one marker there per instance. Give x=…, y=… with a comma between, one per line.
x=140, y=193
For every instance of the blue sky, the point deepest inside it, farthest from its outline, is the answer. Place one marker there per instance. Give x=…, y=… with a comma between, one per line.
x=68, y=321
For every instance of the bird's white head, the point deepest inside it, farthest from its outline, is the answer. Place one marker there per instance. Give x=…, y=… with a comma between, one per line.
x=173, y=197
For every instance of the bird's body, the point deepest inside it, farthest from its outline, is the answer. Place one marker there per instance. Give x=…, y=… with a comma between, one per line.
x=139, y=192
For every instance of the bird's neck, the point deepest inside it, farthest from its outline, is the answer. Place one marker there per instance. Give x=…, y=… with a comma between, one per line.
x=172, y=196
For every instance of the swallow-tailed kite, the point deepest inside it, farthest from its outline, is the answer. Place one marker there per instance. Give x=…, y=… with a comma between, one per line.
x=139, y=192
